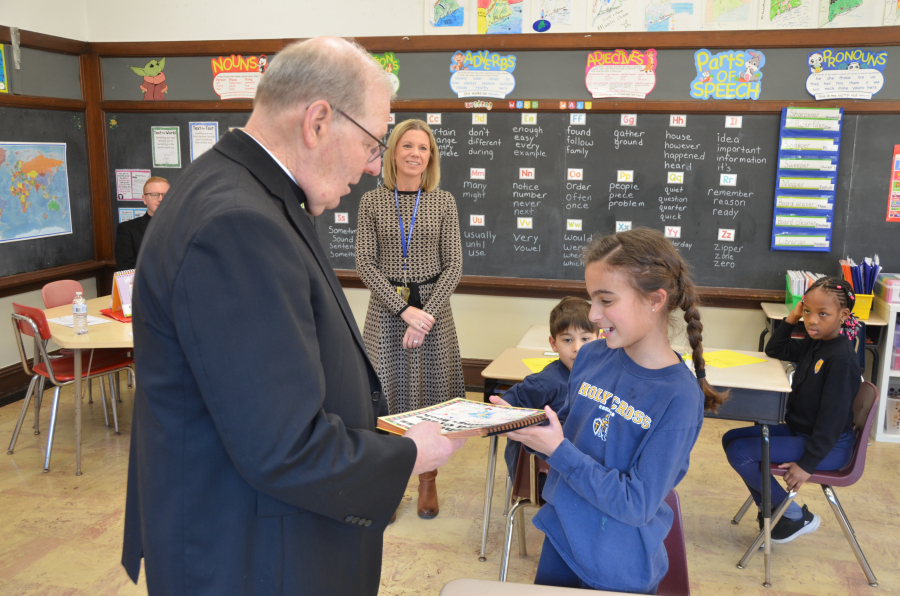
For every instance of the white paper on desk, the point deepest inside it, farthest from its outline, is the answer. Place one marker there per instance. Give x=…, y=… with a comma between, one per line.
x=69, y=321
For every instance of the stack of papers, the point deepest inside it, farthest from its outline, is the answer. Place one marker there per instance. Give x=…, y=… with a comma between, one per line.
x=861, y=277
x=69, y=321
x=726, y=359
x=801, y=280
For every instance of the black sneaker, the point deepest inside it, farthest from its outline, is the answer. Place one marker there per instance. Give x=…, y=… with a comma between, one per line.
x=787, y=529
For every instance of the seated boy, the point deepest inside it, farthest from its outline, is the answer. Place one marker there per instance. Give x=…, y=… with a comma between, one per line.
x=570, y=328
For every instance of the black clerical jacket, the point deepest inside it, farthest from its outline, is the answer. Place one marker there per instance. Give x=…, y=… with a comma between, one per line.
x=254, y=466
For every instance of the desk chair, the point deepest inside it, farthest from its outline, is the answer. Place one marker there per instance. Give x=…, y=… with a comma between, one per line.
x=525, y=490
x=61, y=293
x=60, y=371
x=526, y=493
x=864, y=407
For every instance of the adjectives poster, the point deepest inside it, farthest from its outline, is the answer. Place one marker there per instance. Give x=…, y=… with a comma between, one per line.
x=621, y=73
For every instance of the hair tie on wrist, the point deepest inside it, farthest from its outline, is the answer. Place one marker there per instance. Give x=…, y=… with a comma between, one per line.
x=701, y=374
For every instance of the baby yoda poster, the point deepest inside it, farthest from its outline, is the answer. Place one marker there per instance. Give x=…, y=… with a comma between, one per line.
x=154, y=83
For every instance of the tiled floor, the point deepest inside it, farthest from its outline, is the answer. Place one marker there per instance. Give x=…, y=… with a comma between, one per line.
x=61, y=535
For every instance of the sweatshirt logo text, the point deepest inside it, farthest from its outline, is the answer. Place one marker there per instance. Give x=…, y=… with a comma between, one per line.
x=612, y=405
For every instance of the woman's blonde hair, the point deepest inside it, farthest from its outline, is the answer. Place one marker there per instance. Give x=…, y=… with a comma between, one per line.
x=432, y=175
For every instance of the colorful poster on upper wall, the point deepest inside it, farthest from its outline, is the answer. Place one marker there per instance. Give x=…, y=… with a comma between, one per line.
x=4, y=85
x=845, y=74
x=671, y=15
x=719, y=15
x=388, y=61
x=556, y=13
x=893, y=212
x=446, y=17
x=154, y=85
x=620, y=73
x=499, y=16
x=236, y=76
x=482, y=74
x=787, y=14
x=891, y=13
x=735, y=74
x=34, y=191
x=850, y=13
x=614, y=15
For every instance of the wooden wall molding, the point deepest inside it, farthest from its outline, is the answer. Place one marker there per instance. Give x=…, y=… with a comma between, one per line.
x=42, y=41
x=35, y=280
x=238, y=105
x=159, y=49
x=472, y=368
x=43, y=103
x=98, y=158
x=557, y=289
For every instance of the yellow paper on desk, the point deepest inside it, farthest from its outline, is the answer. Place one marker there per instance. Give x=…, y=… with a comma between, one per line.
x=727, y=359
x=536, y=365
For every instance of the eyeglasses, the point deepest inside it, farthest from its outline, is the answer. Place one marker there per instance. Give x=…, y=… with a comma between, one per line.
x=155, y=195
x=376, y=151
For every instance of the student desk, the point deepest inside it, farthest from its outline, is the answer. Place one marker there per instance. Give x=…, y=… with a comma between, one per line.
x=778, y=311
x=536, y=338
x=109, y=335
x=758, y=394
x=481, y=587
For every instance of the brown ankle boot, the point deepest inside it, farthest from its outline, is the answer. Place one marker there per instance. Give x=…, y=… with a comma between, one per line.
x=428, y=499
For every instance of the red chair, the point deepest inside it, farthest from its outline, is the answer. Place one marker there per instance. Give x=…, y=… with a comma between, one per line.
x=529, y=468
x=864, y=407
x=60, y=371
x=675, y=582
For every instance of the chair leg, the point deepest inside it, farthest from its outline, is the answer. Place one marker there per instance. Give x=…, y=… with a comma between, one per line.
x=38, y=400
x=12, y=443
x=508, y=494
x=507, y=541
x=130, y=379
x=849, y=533
x=118, y=389
x=53, y=413
x=90, y=392
x=744, y=508
x=103, y=400
x=762, y=535
x=520, y=524
x=113, y=398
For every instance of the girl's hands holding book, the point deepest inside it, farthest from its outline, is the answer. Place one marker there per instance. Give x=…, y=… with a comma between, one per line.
x=544, y=439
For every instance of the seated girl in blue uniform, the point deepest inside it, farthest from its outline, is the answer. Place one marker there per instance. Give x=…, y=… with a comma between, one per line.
x=570, y=329
x=634, y=412
x=818, y=432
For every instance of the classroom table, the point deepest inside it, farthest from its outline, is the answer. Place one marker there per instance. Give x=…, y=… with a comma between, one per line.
x=778, y=311
x=536, y=338
x=108, y=335
x=483, y=587
x=758, y=394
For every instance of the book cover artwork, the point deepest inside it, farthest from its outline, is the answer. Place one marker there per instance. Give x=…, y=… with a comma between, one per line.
x=462, y=418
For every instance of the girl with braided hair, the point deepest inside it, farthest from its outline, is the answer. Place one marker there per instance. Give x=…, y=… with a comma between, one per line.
x=818, y=430
x=633, y=414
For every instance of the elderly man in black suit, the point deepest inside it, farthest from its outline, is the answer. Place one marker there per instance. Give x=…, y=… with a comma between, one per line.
x=254, y=466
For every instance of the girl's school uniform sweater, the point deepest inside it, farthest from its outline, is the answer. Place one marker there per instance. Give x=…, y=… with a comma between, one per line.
x=548, y=387
x=629, y=432
x=827, y=378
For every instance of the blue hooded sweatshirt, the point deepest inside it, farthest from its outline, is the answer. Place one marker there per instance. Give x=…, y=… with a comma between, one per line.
x=548, y=387
x=628, y=433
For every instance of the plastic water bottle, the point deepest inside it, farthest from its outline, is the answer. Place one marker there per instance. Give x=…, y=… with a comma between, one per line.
x=79, y=314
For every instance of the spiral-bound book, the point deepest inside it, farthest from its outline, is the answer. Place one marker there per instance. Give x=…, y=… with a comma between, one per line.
x=463, y=418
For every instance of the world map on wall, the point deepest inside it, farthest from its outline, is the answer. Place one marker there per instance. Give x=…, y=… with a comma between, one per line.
x=34, y=191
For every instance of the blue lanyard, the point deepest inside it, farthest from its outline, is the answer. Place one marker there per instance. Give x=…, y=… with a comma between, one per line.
x=404, y=241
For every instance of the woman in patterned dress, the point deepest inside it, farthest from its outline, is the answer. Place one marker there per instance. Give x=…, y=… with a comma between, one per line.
x=408, y=254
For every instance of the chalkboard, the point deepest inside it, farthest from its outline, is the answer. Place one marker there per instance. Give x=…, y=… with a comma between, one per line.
x=25, y=125
x=524, y=172
x=130, y=145
x=576, y=176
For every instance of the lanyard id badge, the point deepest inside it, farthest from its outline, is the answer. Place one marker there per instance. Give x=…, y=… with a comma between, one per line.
x=406, y=241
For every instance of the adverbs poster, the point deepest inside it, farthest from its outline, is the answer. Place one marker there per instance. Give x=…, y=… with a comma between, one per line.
x=482, y=74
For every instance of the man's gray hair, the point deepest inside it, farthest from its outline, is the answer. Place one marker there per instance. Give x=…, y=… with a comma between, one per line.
x=337, y=70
